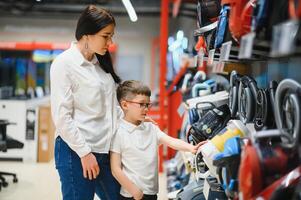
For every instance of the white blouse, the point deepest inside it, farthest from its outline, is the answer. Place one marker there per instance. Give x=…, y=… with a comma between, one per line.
x=83, y=102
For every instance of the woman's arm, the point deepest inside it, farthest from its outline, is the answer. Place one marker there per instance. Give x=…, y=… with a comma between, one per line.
x=62, y=106
x=122, y=178
x=178, y=144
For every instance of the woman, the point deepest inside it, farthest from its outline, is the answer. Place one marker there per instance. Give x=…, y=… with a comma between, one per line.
x=84, y=109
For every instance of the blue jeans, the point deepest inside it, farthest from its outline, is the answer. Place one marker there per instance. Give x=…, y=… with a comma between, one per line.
x=73, y=184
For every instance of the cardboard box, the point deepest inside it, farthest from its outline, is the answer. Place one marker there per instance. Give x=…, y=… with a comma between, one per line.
x=45, y=135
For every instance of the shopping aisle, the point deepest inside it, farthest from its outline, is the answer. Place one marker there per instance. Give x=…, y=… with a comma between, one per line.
x=36, y=181
x=39, y=181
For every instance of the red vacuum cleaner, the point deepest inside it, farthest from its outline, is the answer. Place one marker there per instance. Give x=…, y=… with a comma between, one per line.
x=240, y=17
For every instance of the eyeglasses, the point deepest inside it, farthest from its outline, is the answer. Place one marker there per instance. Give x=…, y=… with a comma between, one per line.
x=142, y=105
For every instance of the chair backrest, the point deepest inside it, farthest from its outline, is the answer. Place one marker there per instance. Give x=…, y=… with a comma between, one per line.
x=3, y=125
x=7, y=142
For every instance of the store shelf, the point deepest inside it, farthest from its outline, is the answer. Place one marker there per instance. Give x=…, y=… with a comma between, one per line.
x=30, y=46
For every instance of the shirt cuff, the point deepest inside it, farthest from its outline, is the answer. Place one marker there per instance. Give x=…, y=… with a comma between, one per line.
x=115, y=150
x=81, y=152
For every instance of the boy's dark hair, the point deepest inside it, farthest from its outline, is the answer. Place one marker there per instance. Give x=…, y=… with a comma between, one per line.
x=129, y=89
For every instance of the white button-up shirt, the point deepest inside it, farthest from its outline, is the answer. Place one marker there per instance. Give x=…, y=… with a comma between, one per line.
x=83, y=102
x=138, y=148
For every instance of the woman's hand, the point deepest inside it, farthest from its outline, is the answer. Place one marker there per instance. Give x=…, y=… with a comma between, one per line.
x=90, y=166
x=137, y=194
x=195, y=148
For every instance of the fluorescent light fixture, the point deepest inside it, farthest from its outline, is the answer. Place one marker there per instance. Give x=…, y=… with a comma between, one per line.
x=180, y=42
x=170, y=40
x=185, y=43
x=180, y=35
x=129, y=8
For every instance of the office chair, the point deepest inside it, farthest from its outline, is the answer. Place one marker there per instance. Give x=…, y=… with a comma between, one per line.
x=7, y=143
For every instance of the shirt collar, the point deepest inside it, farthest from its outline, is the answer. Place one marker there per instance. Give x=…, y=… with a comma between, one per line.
x=94, y=60
x=131, y=127
x=79, y=58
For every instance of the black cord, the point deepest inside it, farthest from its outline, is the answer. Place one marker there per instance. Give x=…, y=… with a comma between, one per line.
x=288, y=111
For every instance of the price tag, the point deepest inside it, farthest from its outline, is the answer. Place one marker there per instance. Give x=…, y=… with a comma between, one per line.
x=181, y=109
x=201, y=56
x=225, y=51
x=220, y=67
x=195, y=60
x=275, y=40
x=284, y=38
x=288, y=37
x=216, y=67
x=211, y=57
x=246, y=45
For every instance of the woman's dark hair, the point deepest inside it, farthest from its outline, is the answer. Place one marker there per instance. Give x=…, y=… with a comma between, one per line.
x=90, y=22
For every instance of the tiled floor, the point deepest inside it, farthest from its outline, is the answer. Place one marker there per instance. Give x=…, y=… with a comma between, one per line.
x=41, y=182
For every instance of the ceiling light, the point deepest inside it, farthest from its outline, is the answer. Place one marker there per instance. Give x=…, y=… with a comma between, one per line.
x=129, y=8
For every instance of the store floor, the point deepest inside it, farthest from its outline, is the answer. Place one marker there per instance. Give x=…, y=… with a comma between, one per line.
x=41, y=181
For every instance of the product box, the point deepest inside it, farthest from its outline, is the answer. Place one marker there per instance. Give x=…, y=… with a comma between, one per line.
x=45, y=135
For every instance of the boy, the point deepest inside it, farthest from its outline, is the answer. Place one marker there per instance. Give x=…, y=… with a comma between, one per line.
x=134, y=156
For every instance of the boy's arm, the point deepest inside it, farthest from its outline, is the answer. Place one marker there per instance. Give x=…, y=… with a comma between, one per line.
x=122, y=178
x=178, y=144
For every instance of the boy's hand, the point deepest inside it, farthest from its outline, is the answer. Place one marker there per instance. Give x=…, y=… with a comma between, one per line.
x=196, y=147
x=148, y=119
x=137, y=194
x=90, y=166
